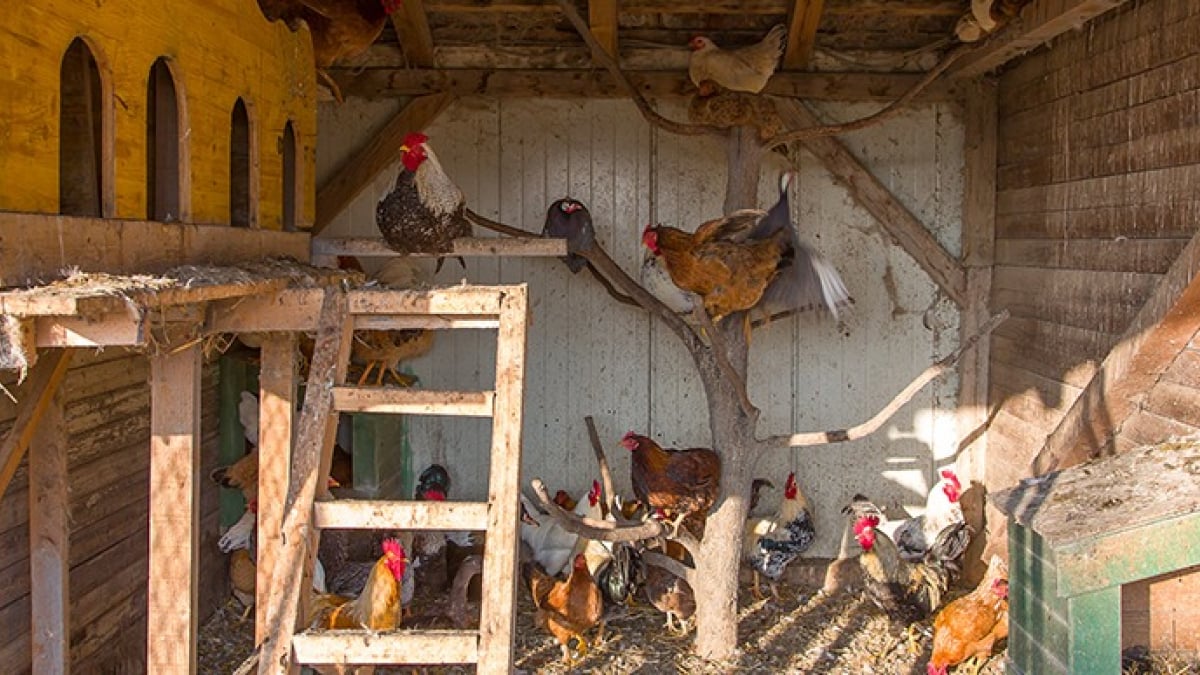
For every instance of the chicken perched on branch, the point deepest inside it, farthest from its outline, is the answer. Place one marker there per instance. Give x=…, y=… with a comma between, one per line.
x=746, y=69
x=379, y=605
x=425, y=211
x=570, y=219
x=971, y=626
x=771, y=544
x=567, y=609
x=683, y=484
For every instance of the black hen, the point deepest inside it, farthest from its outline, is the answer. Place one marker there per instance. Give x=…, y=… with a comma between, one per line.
x=570, y=219
x=425, y=211
x=433, y=484
x=806, y=280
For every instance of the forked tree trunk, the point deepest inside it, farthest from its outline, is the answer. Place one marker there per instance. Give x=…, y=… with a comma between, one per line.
x=719, y=558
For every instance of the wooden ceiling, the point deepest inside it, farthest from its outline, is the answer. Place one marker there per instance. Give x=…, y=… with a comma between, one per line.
x=649, y=35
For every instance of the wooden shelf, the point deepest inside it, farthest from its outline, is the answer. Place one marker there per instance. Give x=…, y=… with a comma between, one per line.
x=428, y=647
x=474, y=247
x=364, y=514
x=413, y=401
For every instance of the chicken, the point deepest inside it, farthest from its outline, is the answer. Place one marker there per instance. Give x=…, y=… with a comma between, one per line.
x=746, y=69
x=718, y=262
x=771, y=544
x=553, y=546
x=904, y=589
x=570, y=219
x=433, y=484
x=681, y=483
x=973, y=624
x=987, y=16
x=385, y=350
x=241, y=475
x=241, y=543
x=656, y=280
x=914, y=536
x=806, y=280
x=623, y=574
x=425, y=211
x=670, y=595
x=567, y=609
x=378, y=606
x=341, y=29
x=565, y=500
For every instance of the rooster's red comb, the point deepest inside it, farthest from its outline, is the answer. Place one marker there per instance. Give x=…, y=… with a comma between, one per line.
x=393, y=547
x=865, y=523
x=414, y=138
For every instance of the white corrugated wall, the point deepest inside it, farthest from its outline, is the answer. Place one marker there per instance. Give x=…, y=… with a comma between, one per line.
x=588, y=354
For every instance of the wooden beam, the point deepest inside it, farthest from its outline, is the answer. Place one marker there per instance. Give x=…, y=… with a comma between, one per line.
x=369, y=647
x=602, y=17
x=802, y=33
x=172, y=618
x=909, y=8
x=413, y=401
x=498, y=606
x=391, y=515
x=378, y=154
x=49, y=541
x=34, y=397
x=276, y=404
x=479, y=247
x=41, y=246
x=412, y=31
x=314, y=440
x=1038, y=23
x=1163, y=327
x=379, y=83
x=903, y=227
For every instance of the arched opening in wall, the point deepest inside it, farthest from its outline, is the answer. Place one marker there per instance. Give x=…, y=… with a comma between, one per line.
x=240, y=207
x=290, y=189
x=81, y=134
x=162, y=145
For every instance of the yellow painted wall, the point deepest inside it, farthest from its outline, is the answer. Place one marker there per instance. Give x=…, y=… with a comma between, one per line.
x=218, y=50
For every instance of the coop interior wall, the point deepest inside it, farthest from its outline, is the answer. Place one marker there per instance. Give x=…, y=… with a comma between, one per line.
x=108, y=417
x=589, y=355
x=1098, y=162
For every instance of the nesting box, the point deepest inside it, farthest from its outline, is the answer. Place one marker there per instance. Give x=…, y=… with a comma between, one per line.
x=1077, y=537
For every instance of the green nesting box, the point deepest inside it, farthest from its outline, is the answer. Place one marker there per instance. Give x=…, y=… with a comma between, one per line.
x=1076, y=536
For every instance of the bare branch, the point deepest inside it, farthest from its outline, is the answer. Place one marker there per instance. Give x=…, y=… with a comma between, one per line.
x=602, y=57
x=612, y=291
x=489, y=224
x=889, y=110
x=599, y=259
x=605, y=472
x=600, y=530
x=870, y=426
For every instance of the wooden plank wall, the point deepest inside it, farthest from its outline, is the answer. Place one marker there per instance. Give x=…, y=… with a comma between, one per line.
x=590, y=355
x=108, y=418
x=1099, y=156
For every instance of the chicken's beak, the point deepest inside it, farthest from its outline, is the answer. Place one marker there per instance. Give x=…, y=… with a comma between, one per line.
x=404, y=149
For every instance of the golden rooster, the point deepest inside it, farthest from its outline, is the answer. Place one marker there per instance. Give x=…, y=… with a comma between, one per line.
x=377, y=607
x=746, y=69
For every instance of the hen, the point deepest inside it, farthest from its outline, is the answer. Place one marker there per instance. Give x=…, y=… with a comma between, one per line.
x=771, y=544
x=914, y=536
x=681, y=483
x=972, y=625
x=908, y=590
x=553, y=546
x=571, y=220
x=746, y=69
x=567, y=609
x=425, y=211
x=670, y=595
x=377, y=607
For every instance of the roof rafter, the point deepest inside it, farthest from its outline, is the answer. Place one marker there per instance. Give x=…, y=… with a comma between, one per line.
x=602, y=16
x=802, y=33
x=412, y=30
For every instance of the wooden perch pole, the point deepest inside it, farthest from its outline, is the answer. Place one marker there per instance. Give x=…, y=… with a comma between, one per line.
x=605, y=472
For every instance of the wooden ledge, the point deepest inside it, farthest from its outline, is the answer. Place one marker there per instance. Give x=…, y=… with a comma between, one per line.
x=475, y=247
x=369, y=647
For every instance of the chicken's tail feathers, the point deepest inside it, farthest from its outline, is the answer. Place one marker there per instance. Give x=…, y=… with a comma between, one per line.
x=949, y=546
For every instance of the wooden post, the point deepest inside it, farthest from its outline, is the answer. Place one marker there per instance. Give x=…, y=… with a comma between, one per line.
x=174, y=511
x=49, y=538
x=276, y=405
x=498, y=606
x=1096, y=632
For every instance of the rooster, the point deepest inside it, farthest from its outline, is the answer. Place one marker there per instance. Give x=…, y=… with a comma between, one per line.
x=378, y=606
x=425, y=211
x=971, y=626
x=681, y=483
x=771, y=544
x=341, y=29
x=746, y=69
x=570, y=219
x=909, y=590
x=914, y=536
x=567, y=609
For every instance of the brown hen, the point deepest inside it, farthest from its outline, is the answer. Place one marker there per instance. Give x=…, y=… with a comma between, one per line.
x=568, y=608
x=683, y=484
x=972, y=625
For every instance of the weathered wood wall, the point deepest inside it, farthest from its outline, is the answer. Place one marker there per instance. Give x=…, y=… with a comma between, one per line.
x=591, y=355
x=1098, y=162
x=108, y=413
x=1099, y=158
x=217, y=51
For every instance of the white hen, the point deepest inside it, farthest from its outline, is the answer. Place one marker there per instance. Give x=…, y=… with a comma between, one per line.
x=554, y=547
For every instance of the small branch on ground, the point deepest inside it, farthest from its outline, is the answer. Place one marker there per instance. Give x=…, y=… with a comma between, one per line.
x=870, y=426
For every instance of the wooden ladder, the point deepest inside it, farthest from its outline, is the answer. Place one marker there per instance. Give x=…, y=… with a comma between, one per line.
x=490, y=647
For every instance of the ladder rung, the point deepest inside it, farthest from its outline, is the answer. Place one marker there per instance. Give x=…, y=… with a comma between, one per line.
x=360, y=647
x=414, y=401
x=355, y=514
x=429, y=321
